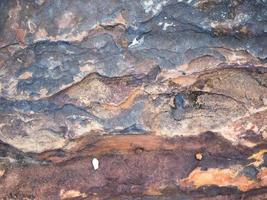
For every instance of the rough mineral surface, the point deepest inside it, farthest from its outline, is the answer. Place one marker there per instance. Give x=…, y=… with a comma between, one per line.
x=133, y=99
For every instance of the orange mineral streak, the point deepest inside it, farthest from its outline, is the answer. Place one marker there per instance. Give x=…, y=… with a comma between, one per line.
x=184, y=80
x=127, y=144
x=128, y=102
x=116, y=144
x=153, y=191
x=219, y=177
x=226, y=177
x=258, y=157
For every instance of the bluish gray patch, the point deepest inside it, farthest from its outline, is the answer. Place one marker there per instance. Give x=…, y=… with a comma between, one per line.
x=179, y=101
x=250, y=171
x=126, y=119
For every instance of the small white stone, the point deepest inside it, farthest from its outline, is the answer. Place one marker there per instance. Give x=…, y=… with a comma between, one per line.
x=166, y=25
x=136, y=42
x=95, y=163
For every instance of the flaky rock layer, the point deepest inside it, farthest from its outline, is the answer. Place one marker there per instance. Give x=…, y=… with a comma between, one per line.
x=169, y=96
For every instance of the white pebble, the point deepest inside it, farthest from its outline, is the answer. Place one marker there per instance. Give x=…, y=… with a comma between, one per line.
x=136, y=42
x=95, y=163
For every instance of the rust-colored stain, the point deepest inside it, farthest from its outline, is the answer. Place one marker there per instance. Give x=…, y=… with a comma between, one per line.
x=151, y=164
x=128, y=102
x=120, y=144
x=104, y=100
x=124, y=144
x=20, y=34
x=220, y=177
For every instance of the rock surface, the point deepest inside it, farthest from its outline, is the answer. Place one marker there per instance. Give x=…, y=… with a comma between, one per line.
x=170, y=97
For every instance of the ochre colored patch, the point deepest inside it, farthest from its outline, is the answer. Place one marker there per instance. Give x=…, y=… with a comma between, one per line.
x=219, y=177
x=129, y=143
x=120, y=144
x=2, y=172
x=25, y=75
x=127, y=102
x=71, y=194
x=184, y=80
x=258, y=157
x=152, y=191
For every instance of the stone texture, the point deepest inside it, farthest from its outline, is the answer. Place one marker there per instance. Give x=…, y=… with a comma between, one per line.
x=169, y=95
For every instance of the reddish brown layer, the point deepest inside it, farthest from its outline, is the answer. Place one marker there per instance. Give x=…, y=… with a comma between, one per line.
x=139, y=166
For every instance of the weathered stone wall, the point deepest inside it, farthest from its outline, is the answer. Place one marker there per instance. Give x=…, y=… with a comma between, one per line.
x=169, y=95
